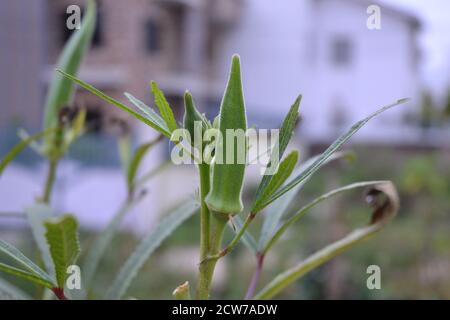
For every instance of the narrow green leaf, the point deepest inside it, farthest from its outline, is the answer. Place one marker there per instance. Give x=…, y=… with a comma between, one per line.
x=147, y=246
x=61, y=90
x=99, y=247
x=62, y=238
x=36, y=147
x=248, y=240
x=26, y=275
x=278, y=209
x=136, y=161
x=36, y=215
x=304, y=210
x=149, y=175
x=76, y=129
x=288, y=126
x=11, y=292
x=284, y=171
x=150, y=113
x=18, y=148
x=138, y=115
x=125, y=152
x=328, y=152
x=163, y=106
x=21, y=259
x=79, y=122
x=383, y=212
x=285, y=135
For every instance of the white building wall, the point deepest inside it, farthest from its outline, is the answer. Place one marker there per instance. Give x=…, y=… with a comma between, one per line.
x=382, y=69
x=285, y=50
x=269, y=37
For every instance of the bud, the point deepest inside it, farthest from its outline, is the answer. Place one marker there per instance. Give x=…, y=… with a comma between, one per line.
x=182, y=292
x=193, y=121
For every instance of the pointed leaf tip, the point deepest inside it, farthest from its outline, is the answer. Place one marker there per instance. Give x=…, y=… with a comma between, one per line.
x=64, y=245
x=298, y=100
x=189, y=103
x=235, y=65
x=163, y=106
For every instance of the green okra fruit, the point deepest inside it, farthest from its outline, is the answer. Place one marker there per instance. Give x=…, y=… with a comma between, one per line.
x=225, y=195
x=193, y=118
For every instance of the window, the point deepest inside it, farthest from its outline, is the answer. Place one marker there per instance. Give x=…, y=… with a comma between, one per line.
x=152, y=37
x=94, y=119
x=341, y=52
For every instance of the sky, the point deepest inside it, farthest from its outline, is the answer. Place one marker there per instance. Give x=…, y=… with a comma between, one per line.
x=434, y=40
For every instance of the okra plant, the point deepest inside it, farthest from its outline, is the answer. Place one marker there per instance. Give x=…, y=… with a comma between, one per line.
x=56, y=238
x=221, y=184
x=63, y=124
x=221, y=161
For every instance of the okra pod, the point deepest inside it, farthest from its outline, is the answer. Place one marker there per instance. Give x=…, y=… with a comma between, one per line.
x=225, y=195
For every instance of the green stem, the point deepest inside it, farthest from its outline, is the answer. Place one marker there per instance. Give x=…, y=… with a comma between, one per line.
x=50, y=180
x=234, y=241
x=239, y=235
x=205, y=225
x=255, y=278
x=59, y=293
x=54, y=154
x=204, y=211
x=207, y=266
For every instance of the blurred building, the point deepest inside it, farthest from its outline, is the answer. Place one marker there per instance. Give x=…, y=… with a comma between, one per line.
x=135, y=41
x=320, y=48
x=22, y=56
x=324, y=50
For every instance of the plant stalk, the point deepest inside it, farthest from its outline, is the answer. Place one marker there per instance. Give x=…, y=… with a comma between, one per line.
x=255, y=278
x=204, y=211
x=59, y=293
x=50, y=181
x=239, y=235
x=207, y=266
x=235, y=240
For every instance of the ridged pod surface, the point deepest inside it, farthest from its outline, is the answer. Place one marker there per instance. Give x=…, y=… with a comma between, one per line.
x=227, y=178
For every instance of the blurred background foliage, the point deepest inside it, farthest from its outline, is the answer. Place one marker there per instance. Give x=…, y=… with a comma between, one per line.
x=412, y=252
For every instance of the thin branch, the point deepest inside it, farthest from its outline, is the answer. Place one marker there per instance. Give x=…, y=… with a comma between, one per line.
x=255, y=279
